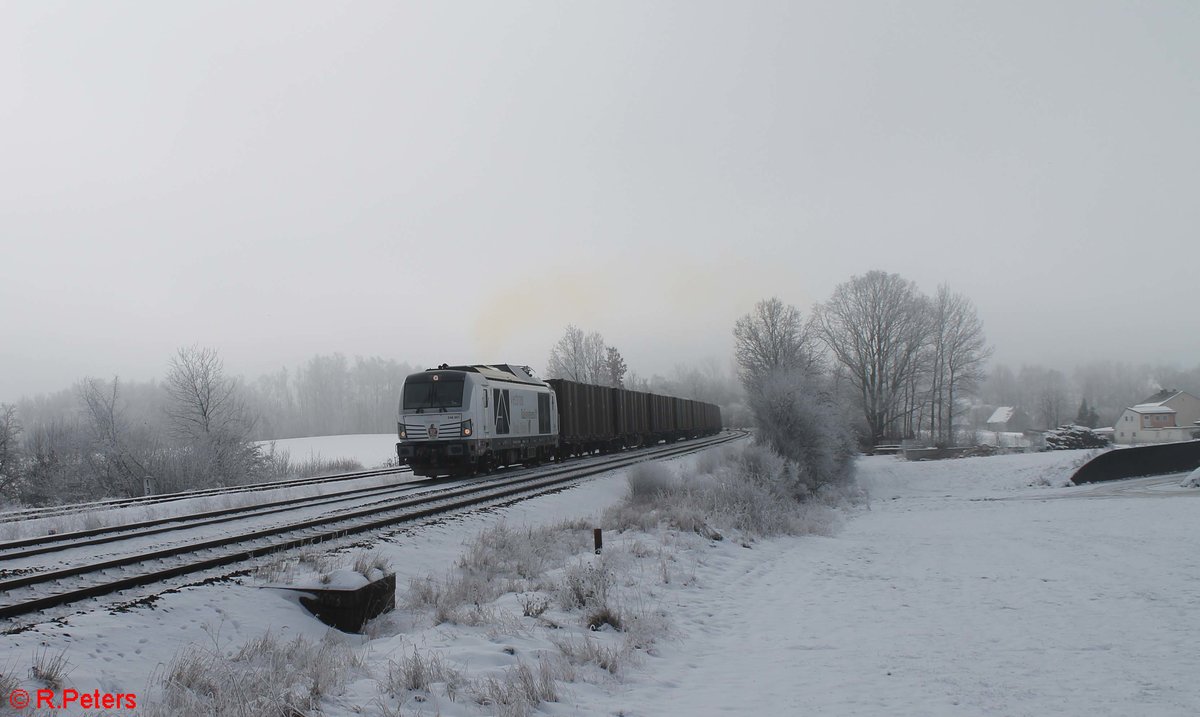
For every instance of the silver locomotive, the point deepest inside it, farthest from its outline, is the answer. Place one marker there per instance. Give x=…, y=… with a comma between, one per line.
x=460, y=420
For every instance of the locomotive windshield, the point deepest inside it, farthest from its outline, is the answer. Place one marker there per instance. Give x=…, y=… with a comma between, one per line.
x=421, y=391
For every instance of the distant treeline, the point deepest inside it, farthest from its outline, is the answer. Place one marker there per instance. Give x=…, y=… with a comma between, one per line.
x=328, y=395
x=195, y=429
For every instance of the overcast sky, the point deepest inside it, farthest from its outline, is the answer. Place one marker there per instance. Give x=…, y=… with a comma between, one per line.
x=458, y=181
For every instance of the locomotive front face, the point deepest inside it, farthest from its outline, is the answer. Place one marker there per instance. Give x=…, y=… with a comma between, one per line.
x=437, y=425
x=436, y=405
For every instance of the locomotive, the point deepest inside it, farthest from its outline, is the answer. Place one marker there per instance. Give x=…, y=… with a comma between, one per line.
x=461, y=420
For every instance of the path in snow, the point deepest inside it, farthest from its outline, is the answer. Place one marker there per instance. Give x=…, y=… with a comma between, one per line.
x=946, y=606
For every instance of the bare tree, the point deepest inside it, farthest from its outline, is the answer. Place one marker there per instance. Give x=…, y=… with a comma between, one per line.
x=874, y=326
x=118, y=459
x=637, y=383
x=953, y=360
x=772, y=338
x=10, y=454
x=579, y=357
x=209, y=416
x=964, y=354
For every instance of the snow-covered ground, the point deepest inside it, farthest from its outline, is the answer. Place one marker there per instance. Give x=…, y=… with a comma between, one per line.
x=979, y=586
x=369, y=449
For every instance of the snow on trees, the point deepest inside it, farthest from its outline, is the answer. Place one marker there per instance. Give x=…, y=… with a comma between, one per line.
x=10, y=457
x=790, y=398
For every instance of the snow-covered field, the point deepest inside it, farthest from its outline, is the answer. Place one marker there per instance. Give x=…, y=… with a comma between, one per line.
x=369, y=449
x=968, y=587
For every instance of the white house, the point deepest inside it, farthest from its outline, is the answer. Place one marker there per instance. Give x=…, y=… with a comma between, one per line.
x=1165, y=417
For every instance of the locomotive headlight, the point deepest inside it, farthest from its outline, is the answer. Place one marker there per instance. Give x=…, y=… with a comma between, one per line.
x=467, y=427
x=400, y=428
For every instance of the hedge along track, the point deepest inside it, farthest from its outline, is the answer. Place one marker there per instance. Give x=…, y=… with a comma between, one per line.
x=55, y=511
x=37, y=591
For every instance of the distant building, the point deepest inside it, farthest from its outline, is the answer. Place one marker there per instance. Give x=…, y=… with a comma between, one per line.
x=1165, y=417
x=1009, y=419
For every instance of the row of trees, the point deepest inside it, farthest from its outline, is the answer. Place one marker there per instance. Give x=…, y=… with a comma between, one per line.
x=911, y=358
x=328, y=395
x=121, y=440
x=908, y=359
x=196, y=428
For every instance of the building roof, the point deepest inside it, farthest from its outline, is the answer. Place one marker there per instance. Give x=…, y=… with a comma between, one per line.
x=1002, y=414
x=1161, y=397
x=1151, y=408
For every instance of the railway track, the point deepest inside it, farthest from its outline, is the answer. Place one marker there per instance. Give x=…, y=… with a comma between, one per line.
x=133, y=563
x=54, y=511
x=41, y=544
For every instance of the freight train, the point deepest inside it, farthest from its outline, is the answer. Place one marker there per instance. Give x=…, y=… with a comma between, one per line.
x=461, y=420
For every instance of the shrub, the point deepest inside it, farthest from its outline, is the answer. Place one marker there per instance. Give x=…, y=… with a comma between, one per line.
x=798, y=419
x=265, y=676
x=751, y=489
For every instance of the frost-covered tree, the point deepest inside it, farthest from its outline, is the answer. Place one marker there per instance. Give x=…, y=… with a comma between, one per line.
x=792, y=403
x=798, y=417
x=10, y=449
x=118, y=460
x=208, y=416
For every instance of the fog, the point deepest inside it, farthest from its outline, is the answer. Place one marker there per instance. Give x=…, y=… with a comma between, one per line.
x=459, y=181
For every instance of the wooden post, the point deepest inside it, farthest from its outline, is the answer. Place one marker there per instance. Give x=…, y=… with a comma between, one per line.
x=598, y=537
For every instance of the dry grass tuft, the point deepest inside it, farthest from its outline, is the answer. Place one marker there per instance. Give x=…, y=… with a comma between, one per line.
x=265, y=677
x=50, y=669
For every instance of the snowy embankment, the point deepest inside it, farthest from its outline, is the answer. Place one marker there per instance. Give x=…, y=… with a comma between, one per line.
x=369, y=450
x=971, y=586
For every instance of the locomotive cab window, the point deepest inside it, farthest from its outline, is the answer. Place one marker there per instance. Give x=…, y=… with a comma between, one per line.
x=422, y=392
